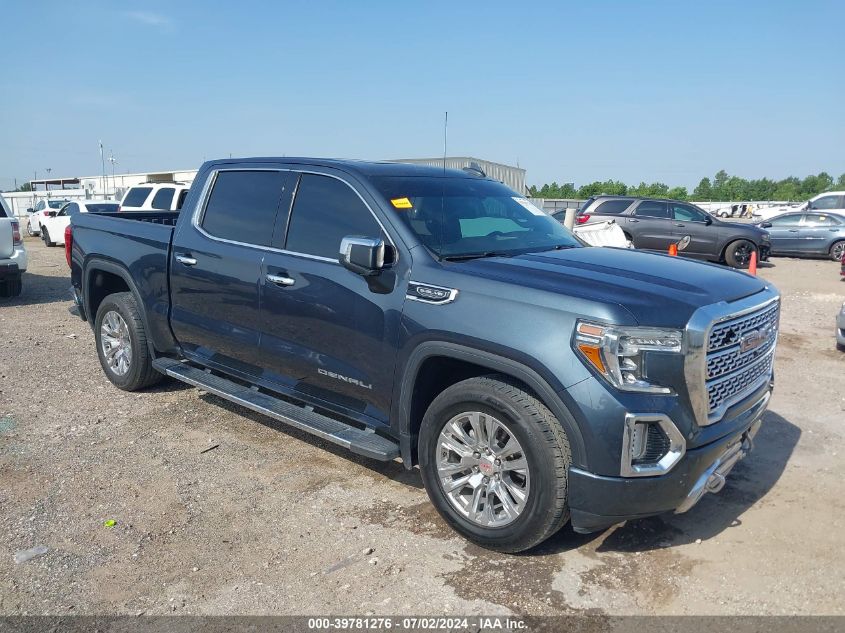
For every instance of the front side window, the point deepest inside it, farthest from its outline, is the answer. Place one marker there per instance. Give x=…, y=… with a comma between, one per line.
x=791, y=219
x=163, y=199
x=40, y=206
x=687, y=213
x=468, y=217
x=653, y=209
x=136, y=197
x=827, y=202
x=324, y=212
x=242, y=206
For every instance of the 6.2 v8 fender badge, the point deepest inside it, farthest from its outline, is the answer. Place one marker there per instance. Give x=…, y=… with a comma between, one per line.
x=428, y=293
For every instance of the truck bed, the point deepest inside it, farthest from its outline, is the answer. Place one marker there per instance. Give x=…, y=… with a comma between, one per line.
x=138, y=243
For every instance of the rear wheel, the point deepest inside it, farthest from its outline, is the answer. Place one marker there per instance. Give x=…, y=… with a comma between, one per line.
x=837, y=251
x=122, y=343
x=738, y=253
x=29, y=230
x=45, y=235
x=495, y=462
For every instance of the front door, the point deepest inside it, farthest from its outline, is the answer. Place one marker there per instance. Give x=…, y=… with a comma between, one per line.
x=687, y=220
x=327, y=332
x=651, y=226
x=784, y=233
x=216, y=267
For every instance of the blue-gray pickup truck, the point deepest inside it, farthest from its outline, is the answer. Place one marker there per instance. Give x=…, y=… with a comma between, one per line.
x=439, y=317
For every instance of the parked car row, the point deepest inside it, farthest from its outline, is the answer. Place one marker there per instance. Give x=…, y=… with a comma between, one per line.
x=53, y=226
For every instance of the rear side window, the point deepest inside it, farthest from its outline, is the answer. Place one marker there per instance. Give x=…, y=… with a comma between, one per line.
x=136, y=197
x=242, y=206
x=101, y=208
x=325, y=211
x=163, y=198
x=651, y=209
x=612, y=207
x=182, y=195
x=820, y=219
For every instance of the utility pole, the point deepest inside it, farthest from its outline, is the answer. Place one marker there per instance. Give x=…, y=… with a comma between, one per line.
x=103, y=160
x=113, y=160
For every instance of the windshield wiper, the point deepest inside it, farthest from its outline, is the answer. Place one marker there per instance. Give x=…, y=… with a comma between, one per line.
x=465, y=256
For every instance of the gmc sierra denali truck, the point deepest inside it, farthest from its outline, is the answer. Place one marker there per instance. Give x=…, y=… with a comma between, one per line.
x=436, y=316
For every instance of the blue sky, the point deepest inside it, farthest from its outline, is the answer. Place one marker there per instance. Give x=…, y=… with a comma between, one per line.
x=667, y=91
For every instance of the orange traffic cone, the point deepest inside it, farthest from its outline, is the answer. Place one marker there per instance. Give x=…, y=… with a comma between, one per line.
x=673, y=250
x=752, y=264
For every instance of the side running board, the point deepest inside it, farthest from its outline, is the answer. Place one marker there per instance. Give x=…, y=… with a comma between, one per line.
x=358, y=441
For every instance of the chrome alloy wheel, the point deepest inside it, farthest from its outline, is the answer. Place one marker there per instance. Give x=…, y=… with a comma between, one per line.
x=482, y=469
x=115, y=342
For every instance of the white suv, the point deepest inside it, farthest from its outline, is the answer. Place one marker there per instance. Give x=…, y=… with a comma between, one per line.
x=12, y=253
x=154, y=196
x=829, y=201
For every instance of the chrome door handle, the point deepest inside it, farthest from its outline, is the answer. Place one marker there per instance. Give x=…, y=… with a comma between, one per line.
x=679, y=224
x=186, y=260
x=633, y=220
x=279, y=280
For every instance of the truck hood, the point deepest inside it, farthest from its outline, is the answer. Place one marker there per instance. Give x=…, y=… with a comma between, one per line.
x=657, y=290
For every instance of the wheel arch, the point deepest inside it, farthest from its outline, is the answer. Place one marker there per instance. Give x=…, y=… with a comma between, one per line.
x=435, y=365
x=102, y=278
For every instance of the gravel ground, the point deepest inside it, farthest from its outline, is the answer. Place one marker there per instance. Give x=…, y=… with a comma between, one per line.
x=272, y=521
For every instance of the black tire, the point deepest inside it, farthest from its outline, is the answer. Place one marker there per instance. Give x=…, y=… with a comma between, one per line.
x=837, y=250
x=738, y=253
x=545, y=447
x=29, y=230
x=45, y=235
x=141, y=373
x=11, y=288
x=840, y=347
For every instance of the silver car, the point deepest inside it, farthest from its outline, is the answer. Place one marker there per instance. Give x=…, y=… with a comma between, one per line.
x=840, y=329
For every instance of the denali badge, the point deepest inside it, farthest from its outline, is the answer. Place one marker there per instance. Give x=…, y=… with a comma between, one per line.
x=351, y=381
x=754, y=339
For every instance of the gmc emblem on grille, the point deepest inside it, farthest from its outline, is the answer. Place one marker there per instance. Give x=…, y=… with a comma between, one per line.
x=754, y=339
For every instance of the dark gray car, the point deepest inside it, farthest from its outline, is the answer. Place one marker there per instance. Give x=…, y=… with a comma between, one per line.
x=813, y=233
x=654, y=224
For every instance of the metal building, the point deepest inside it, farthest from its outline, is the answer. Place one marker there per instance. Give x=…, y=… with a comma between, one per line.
x=513, y=177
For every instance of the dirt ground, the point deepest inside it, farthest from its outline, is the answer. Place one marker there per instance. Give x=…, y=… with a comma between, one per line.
x=273, y=521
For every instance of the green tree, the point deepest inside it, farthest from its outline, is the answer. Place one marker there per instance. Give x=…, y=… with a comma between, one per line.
x=704, y=190
x=677, y=193
x=25, y=187
x=840, y=184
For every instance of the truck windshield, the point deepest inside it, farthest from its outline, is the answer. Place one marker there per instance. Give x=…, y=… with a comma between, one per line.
x=459, y=218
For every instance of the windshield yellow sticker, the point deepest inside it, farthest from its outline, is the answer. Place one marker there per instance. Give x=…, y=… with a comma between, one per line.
x=401, y=203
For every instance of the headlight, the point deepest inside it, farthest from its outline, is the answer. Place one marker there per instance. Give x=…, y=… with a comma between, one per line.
x=618, y=352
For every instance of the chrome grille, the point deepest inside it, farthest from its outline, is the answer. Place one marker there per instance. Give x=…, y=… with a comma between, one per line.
x=732, y=372
x=730, y=332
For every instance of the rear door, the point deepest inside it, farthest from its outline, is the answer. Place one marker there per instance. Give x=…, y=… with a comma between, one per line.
x=818, y=231
x=687, y=220
x=784, y=233
x=216, y=265
x=327, y=332
x=651, y=226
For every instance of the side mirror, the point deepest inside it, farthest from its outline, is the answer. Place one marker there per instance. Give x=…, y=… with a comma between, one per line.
x=362, y=255
x=708, y=220
x=765, y=225
x=30, y=210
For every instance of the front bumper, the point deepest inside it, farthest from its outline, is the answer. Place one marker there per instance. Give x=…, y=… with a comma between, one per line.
x=765, y=251
x=597, y=502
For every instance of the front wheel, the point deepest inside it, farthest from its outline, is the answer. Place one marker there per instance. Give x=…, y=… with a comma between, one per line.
x=738, y=253
x=29, y=230
x=495, y=462
x=122, y=343
x=837, y=251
